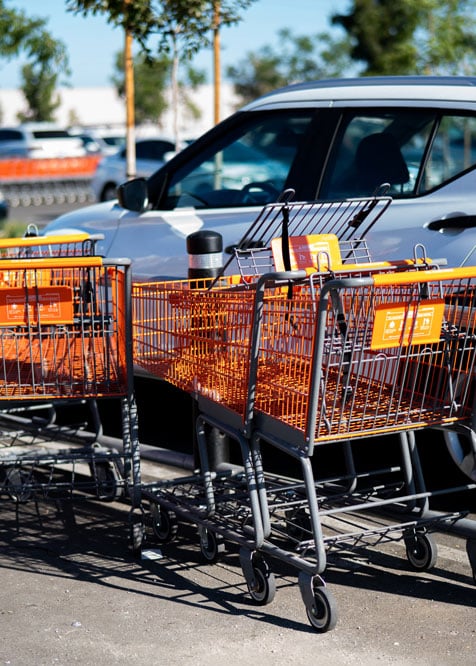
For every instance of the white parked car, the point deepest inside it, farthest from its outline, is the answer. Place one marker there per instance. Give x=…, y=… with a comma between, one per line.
x=102, y=141
x=327, y=140
x=39, y=140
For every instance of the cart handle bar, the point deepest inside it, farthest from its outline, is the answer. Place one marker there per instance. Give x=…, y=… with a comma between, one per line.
x=408, y=277
x=56, y=239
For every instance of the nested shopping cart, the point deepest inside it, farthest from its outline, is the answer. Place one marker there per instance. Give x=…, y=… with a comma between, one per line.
x=344, y=360
x=195, y=334
x=32, y=245
x=65, y=335
x=196, y=339
x=264, y=363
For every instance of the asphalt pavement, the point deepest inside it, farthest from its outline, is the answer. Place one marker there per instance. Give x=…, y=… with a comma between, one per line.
x=72, y=592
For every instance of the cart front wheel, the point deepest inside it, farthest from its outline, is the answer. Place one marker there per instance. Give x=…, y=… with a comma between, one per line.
x=164, y=523
x=322, y=614
x=421, y=551
x=212, y=545
x=18, y=484
x=107, y=480
x=263, y=587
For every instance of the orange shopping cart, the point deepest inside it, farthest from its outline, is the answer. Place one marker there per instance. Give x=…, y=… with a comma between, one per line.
x=353, y=359
x=65, y=337
x=310, y=365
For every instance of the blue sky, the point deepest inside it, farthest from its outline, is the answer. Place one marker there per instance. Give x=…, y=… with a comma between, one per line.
x=92, y=43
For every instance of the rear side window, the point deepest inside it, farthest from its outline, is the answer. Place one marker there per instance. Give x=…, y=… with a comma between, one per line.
x=452, y=151
x=153, y=150
x=51, y=134
x=412, y=151
x=10, y=135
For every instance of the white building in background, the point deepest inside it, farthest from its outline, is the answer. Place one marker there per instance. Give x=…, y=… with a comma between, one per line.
x=102, y=106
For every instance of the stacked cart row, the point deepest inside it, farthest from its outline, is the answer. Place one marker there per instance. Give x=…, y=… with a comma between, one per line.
x=309, y=350
x=302, y=353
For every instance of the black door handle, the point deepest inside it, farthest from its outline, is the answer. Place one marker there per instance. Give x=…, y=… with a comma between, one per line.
x=456, y=222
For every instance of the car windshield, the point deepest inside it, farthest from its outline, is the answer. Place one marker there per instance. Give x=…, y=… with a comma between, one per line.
x=247, y=168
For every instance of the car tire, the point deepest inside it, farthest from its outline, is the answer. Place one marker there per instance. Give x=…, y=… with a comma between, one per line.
x=109, y=192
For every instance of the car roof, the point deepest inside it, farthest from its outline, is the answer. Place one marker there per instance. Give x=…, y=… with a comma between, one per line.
x=382, y=88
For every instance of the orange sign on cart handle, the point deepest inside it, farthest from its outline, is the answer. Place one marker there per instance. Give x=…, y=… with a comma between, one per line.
x=402, y=324
x=45, y=305
x=314, y=251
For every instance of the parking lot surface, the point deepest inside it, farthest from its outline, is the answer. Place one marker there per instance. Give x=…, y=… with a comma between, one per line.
x=73, y=593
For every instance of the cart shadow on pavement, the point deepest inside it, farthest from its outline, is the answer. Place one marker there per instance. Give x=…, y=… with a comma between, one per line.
x=88, y=542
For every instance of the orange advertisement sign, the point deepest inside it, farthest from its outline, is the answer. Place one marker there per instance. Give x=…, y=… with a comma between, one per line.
x=401, y=324
x=45, y=305
x=313, y=251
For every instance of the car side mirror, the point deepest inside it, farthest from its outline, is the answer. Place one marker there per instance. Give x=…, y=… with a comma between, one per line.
x=133, y=195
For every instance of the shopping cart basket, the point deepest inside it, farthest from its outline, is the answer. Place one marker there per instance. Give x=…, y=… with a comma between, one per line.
x=282, y=229
x=65, y=335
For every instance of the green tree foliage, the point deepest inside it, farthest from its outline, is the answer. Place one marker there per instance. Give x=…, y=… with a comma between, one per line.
x=297, y=58
x=150, y=77
x=188, y=20
x=382, y=34
x=447, y=40
x=46, y=59
x=408, y=37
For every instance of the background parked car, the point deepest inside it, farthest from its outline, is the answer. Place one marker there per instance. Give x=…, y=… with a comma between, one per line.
x=39, y=140
x=111, y=170
x=103, y=141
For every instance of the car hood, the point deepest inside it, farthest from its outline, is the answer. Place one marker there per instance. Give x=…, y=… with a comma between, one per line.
x=154, y=241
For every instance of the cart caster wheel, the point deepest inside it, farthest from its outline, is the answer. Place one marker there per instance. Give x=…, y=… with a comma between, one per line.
x=18, y=484
x=322, y=614
x=164, y=523
x=212, y=545
x=421, y=551
x=263, y=587
x=107, y=480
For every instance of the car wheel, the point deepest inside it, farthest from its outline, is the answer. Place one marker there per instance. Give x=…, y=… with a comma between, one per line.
x=109, y=192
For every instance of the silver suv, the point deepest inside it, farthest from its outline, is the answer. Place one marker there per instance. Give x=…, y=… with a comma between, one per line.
x=327, y=140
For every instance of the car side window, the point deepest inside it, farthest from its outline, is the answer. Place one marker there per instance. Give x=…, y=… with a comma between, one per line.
x=411, y=151
x=245, y=167
x=10, y=135
x=153, y=150
x=452, y=151
x=377, y=148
